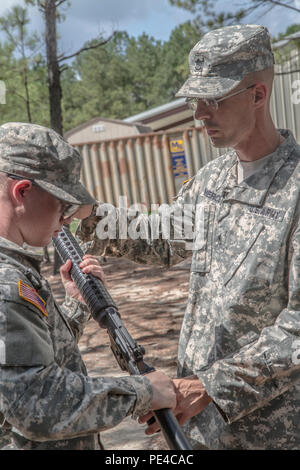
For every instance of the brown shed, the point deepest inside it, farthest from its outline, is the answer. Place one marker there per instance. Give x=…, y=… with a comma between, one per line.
x=100, y=129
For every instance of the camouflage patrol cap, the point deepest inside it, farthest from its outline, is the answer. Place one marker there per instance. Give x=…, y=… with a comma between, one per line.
x=40, y=154
x=221, y=59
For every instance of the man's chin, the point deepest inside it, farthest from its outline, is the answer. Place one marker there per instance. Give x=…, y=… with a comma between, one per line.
x=217, y=142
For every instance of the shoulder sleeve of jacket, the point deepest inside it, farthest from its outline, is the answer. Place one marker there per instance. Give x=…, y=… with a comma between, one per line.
x=24, y=331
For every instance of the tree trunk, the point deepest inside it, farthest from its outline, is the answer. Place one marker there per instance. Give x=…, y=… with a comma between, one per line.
x=25, y=71
x=55, y=91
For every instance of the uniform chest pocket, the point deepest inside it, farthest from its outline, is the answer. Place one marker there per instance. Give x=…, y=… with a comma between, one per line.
x=202, y=244
x=240, y=254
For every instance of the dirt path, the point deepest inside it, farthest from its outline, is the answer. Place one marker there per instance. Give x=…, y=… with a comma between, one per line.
x=151, y=301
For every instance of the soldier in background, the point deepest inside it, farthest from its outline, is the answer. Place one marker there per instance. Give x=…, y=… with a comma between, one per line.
x=238, y=384
x=47, y=400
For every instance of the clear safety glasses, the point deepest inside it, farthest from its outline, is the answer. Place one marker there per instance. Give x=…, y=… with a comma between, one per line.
x=213, y=103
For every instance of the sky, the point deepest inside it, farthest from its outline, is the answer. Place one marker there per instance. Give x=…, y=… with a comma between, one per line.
x=85, y=19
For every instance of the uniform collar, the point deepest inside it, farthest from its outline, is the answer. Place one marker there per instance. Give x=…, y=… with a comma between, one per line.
x=253, y=190
x=18, y=253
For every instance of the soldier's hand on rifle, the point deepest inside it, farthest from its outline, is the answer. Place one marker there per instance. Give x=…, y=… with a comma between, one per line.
x=89, y=265
x=163, y=390
x=191, y=399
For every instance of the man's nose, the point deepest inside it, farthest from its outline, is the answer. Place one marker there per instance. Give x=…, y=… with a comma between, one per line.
x=202, y=111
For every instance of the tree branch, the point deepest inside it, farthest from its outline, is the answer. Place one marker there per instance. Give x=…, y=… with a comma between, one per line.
x=63, y=68
x=87, y=48
x=13, y=91
x=59, y=3
x=284, y=5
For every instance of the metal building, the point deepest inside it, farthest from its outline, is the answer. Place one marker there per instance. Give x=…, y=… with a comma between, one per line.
x=99, y=129
x=168, y=116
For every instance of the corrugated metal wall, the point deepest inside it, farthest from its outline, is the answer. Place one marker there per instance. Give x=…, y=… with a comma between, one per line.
x=144, y=169
x=285, y=101
x=141, y=167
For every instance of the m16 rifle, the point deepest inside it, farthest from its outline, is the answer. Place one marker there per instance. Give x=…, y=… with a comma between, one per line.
x=127, y=352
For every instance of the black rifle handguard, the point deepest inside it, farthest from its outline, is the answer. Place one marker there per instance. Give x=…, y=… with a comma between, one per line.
x=127, y=352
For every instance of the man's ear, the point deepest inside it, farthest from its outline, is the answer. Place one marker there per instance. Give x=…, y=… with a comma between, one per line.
x=19, y=190
x=260, y=94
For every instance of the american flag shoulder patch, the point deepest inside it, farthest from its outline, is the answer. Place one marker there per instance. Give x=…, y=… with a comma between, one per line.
x=30, y=294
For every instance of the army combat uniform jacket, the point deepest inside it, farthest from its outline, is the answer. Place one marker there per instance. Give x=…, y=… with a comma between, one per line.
x=47, y=401
x=241, y=330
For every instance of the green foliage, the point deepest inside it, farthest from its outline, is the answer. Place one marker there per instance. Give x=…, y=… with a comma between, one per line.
x=206, y=12
x=209, y=16
x=73, y=225
x=174, y=68
x=293, y=28
x=283, y=54
x=126, y=76
x=23, y=71
x=15, y=107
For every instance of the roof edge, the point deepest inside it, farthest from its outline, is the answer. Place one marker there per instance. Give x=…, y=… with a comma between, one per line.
x=96, y=119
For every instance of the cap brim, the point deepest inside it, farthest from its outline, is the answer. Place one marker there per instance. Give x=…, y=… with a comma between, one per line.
x=74, y=194
x=207, y=87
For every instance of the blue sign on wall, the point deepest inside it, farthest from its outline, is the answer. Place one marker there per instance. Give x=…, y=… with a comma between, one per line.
x=178, y=158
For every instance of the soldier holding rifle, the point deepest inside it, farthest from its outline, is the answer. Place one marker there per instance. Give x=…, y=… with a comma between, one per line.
x=238, y=384
x=47, y=400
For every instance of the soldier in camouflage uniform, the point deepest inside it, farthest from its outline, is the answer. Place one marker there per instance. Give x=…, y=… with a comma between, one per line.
x=239, y=347
x=47, y=400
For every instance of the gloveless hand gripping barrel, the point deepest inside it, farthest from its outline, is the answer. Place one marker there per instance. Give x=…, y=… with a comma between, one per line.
x=127, y=352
